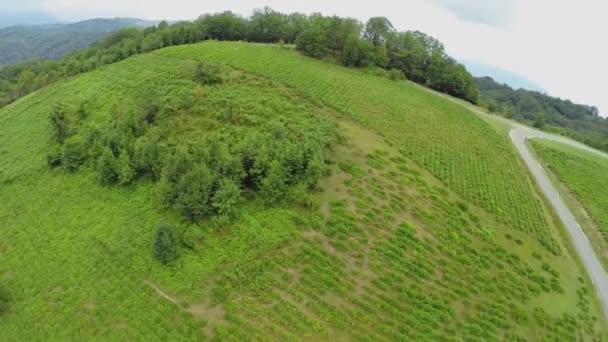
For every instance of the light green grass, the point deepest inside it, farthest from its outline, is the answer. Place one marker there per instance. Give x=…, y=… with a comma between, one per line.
x=427, y=228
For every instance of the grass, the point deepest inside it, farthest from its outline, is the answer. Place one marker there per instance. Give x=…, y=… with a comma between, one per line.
x=427, y=227
x=582, y=178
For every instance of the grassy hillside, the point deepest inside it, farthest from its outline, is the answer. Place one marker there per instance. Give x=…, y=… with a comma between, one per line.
x=426, y=226
x=585, y=175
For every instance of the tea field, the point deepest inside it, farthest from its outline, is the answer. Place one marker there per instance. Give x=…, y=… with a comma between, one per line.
x=426, y=227
x=585, y=176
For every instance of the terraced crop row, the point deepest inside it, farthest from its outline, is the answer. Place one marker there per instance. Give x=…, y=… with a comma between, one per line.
x=457, y=147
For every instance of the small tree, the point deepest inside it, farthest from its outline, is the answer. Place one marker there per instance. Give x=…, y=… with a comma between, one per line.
x=539, y=121
x=274, y=185
x=126, y=174
x=59, y=124
x=107, y=168
x=312, y=42
x=74, y=153
x=166, y=244
x=227, y=197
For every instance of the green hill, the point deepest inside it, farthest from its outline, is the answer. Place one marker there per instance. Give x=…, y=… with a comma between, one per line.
x=366, y=209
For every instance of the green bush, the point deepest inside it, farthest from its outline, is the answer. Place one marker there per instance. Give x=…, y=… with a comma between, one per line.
x=53, y=157
x=226, y=199
x=207, y=74
x=166, y=244
x=74, y=153
x=107, y=168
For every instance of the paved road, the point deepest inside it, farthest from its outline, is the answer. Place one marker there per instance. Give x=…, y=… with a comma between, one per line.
x=519, y=135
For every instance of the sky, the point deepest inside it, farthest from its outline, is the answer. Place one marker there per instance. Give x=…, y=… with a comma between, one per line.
x=557, y=44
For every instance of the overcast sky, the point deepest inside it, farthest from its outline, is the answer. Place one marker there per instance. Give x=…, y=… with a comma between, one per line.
x=558, y=44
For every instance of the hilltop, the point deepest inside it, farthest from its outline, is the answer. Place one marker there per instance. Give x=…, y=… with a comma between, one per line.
x=235, y=190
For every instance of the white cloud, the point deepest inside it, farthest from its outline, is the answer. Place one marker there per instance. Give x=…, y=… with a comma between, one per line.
x=555, y=43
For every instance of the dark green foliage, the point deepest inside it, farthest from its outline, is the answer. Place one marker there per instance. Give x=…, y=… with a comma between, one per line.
x=193, y=192
x=53, y=157
x=539, y=121
x=59, y=123
x=107, y=168
x=166, y=244
x=207, y=74
x=226, y=199
x=312, y=42
x=74, y=153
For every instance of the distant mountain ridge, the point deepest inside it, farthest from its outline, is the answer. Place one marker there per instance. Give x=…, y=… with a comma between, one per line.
x=26, y=18
x=53, y=41
x=501, y=75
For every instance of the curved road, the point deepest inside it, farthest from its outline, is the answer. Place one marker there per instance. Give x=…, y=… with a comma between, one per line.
x=519, y=135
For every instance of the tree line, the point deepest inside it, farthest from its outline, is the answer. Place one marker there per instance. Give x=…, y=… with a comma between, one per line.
x=578, y=121
x=377, y=44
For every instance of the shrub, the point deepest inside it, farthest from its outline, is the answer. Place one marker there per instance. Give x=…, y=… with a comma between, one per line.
x=207, y=74
x=53, y=157
x=227, y=198
x=396, y=75
x=166, y=244
x=274, y=185
x=107, y=168
x=126, y=174
x=194, y=192
x=74, y=153
x=59, y=123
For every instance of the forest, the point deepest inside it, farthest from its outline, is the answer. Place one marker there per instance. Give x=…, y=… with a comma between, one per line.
x=578, y=121
x=375, y=44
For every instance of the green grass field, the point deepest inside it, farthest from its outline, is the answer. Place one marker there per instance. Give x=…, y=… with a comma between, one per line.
x=426, y=228
x=585, y=176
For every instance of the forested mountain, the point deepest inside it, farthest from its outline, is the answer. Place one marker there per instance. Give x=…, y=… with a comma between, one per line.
x=581, y=122
x=26, y=18
x=375, y=45
x=53, y=41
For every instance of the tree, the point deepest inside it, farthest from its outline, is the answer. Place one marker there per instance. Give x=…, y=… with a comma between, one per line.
x=268, y=26
x=539, y=121
x=126, y=174
x=378, y=30
x=166, y=244
x=194, y=192
x=274, y=184
x=25, y=84
x=356, y=52
x=107, y=168
x=59, y=124
x=74, y=153
x=227, y=197
x=312, y=42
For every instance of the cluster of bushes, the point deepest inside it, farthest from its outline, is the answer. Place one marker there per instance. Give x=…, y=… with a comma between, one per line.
x=420, y=57
x=270, y=160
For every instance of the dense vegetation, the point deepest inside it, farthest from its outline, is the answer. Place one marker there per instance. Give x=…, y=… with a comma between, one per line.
x=21, y=43
x=580, y=122
x=586, y=176
x=422, y=233
x=420, y=57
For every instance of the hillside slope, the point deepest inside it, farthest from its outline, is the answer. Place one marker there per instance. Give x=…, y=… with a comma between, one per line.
x=427, y=226
x=53, y=41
